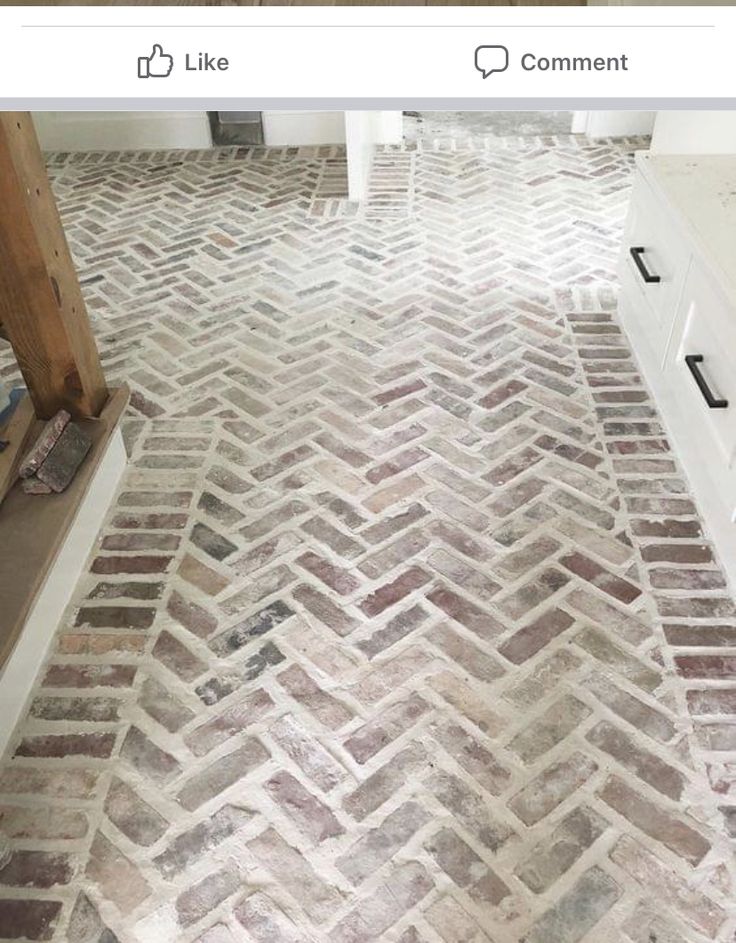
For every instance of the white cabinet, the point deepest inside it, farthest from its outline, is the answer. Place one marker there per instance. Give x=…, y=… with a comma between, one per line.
x=653, y=265
x=678, y=307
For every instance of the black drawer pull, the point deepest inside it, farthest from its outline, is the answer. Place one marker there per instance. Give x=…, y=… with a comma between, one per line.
x=636, y=254
x=692, y=361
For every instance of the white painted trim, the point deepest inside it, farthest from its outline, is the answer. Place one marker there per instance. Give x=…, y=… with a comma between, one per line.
x=19, y=674
x=122, y=130
x=579, y=122
x=295, y=128
x=364, y=130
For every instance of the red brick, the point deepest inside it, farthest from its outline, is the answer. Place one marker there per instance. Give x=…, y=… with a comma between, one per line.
x=97, y=745
x=533, y=637
x=89, y=676
x=716, y=667
x=116, y=617
x=133, y=564
x=660, y=775
x=393, y=592
x=501, y=393
x=551, y=787
x=655, y=821
x=336, y=577
x=376, y=734
x=466, y=613
x=677, y=553
x=37, y=869
x=28, y=919
x=601, y=578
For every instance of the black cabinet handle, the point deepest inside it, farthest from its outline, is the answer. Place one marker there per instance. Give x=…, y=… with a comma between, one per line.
x=636, y=253
x=692, y=361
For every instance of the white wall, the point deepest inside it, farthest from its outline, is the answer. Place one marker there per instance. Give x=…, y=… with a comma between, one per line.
x=292, y=128
x=121, y=130
x=141, y=130
x=612, y=124
x=694, y=132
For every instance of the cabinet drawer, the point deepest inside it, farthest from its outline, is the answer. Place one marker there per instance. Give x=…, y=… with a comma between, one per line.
x=653, y=265
x=708, y=383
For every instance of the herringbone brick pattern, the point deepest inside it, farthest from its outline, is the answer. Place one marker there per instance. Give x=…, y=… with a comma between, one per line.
x=381, y=639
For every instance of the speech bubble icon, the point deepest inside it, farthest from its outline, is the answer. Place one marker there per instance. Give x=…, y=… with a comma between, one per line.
x=490, y=59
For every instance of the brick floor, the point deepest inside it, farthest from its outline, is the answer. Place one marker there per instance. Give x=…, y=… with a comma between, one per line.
x=404, y=626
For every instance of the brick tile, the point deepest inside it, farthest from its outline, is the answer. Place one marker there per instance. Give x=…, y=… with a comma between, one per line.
x=654, y=771
x=288, y=865
x=175, y=656
x=530, y=639
x=147, y=758
x=326, y=708
x=308, y=753
x=192, y=616
x=28, y=919
x=695, y=908
x=140, y=563
x=451, y=921
x=380, y=786
x=223, y=773
x=409, y=884
x=397, y=628
x=163, y=707
x=116, y=617
x=94, y=745
x=715, y=667
x=558, y=721
x=589, y=570
x=551, y=787
x=391, y=593
x=198, y=900
x=337, y=578
x=89, y=676
x=322, y=608
x=84, y=709
x=465, y=613
x=393, y=721
x=466, y=654
x=264, y=921
x=646, y=719
x=311, y=816
x=191, y=845
x=256, y=625
x=135, y=818
x=233, y=721
x=381, y=843
x=555, y=855
x=474, y=758
x=115, y=875
x=37, y=869
x=654, y=820
x=579, y=910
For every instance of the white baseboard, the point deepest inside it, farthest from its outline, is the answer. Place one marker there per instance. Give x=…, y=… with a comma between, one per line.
x=122, y=130
x=19, y=674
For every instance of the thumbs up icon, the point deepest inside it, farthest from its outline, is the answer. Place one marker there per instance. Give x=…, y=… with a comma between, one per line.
x=157, y=65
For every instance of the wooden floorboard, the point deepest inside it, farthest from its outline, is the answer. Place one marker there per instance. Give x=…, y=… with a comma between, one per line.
x=33, y=529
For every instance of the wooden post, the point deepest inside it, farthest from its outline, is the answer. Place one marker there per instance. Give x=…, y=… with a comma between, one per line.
x=42, y=310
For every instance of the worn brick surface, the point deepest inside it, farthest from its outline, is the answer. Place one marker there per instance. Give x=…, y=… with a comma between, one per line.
x=404, y=626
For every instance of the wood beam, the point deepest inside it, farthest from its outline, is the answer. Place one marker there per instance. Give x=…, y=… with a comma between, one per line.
x=41, y=305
